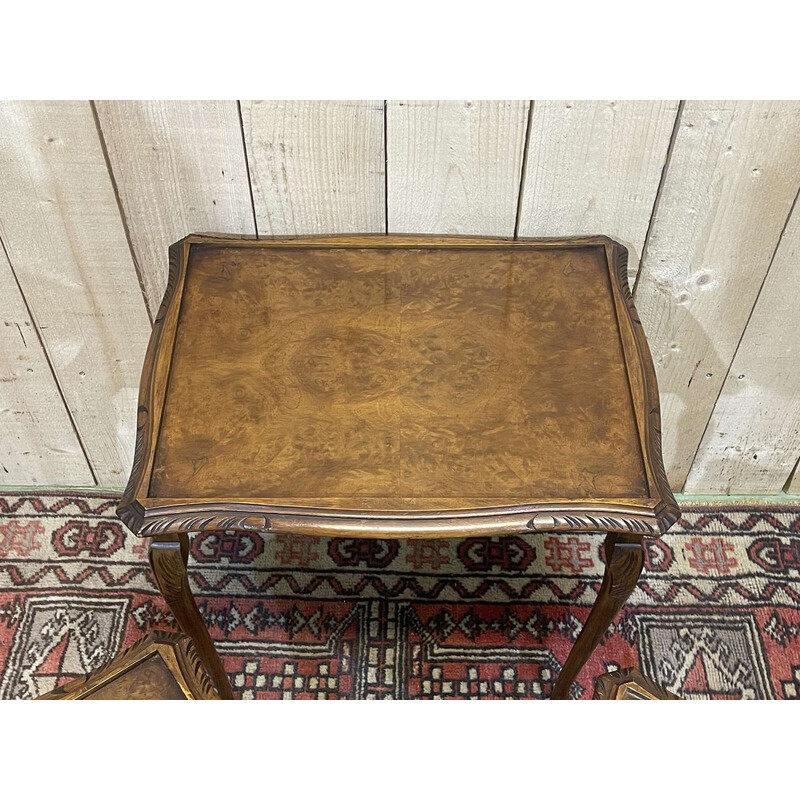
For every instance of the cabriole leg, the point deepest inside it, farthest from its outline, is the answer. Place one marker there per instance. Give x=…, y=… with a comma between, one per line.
x=169, y=555
x=624, y=561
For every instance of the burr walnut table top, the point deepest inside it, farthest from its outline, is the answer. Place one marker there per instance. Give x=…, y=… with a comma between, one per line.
x=161, y=666
x=397, y=386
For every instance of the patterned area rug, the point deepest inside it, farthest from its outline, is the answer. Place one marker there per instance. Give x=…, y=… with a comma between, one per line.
x=716, y=613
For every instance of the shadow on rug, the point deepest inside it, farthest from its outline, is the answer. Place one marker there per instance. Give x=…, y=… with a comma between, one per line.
x=716, y=613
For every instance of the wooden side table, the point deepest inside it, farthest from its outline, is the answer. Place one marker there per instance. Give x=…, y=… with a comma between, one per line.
x=629, y=684
x=398, y=386
x=161, y=666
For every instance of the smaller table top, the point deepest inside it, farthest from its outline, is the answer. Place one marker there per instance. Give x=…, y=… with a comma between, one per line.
x=381, y=385
x=629, y=684
x=161, y=666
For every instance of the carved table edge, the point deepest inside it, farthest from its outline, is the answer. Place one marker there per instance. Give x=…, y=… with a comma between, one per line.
x=647, y=401
x=210, y=516
x=175, y=648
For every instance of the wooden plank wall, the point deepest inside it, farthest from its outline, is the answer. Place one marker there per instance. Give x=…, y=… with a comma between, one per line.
x=703, y=193
x=733, y=176
x=454, y=167
x=316, y=167
x=63, y=236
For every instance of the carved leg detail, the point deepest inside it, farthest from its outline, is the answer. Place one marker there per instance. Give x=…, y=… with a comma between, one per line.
x=624, y=561
x=169, y=555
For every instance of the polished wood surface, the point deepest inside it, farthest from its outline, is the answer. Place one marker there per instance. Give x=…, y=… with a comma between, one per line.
x=161, y=666
x=390, y=386
x=398, y=379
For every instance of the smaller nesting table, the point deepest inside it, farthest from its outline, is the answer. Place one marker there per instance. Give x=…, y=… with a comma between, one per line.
x=629, y=684
x=161, y=666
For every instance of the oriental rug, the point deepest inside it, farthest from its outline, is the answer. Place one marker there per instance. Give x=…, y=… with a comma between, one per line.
x=716, y=613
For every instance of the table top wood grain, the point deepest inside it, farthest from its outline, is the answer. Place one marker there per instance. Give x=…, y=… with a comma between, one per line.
x=381, y=385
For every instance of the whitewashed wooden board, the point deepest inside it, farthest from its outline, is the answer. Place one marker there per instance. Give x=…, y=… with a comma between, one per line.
x=316, y=166
x=454, y=167
x=64, y=236
x=180, y=168
x=38, y=445
x=594, y=167
x=733, y=176
x=753, y=439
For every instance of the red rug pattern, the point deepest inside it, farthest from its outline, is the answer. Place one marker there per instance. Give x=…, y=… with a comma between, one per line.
x=716, y=613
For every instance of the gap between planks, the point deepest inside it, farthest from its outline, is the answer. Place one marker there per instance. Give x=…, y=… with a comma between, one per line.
x=664, y=170
x=525, y=148
x=137, y=269
x=741, y=338
x=46, y=352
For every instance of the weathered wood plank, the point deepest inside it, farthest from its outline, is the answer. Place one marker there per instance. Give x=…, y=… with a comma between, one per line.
x=180, y=168
x=752, y=441
x=454, y=166
x=733, y=175
x=316, y=166
x=62, y=229
x=37, y=442
x=594, y=167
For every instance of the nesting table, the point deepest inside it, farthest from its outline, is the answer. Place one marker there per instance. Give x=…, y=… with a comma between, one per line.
x=161, y=666
x=629, y=684
x=398, y=386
